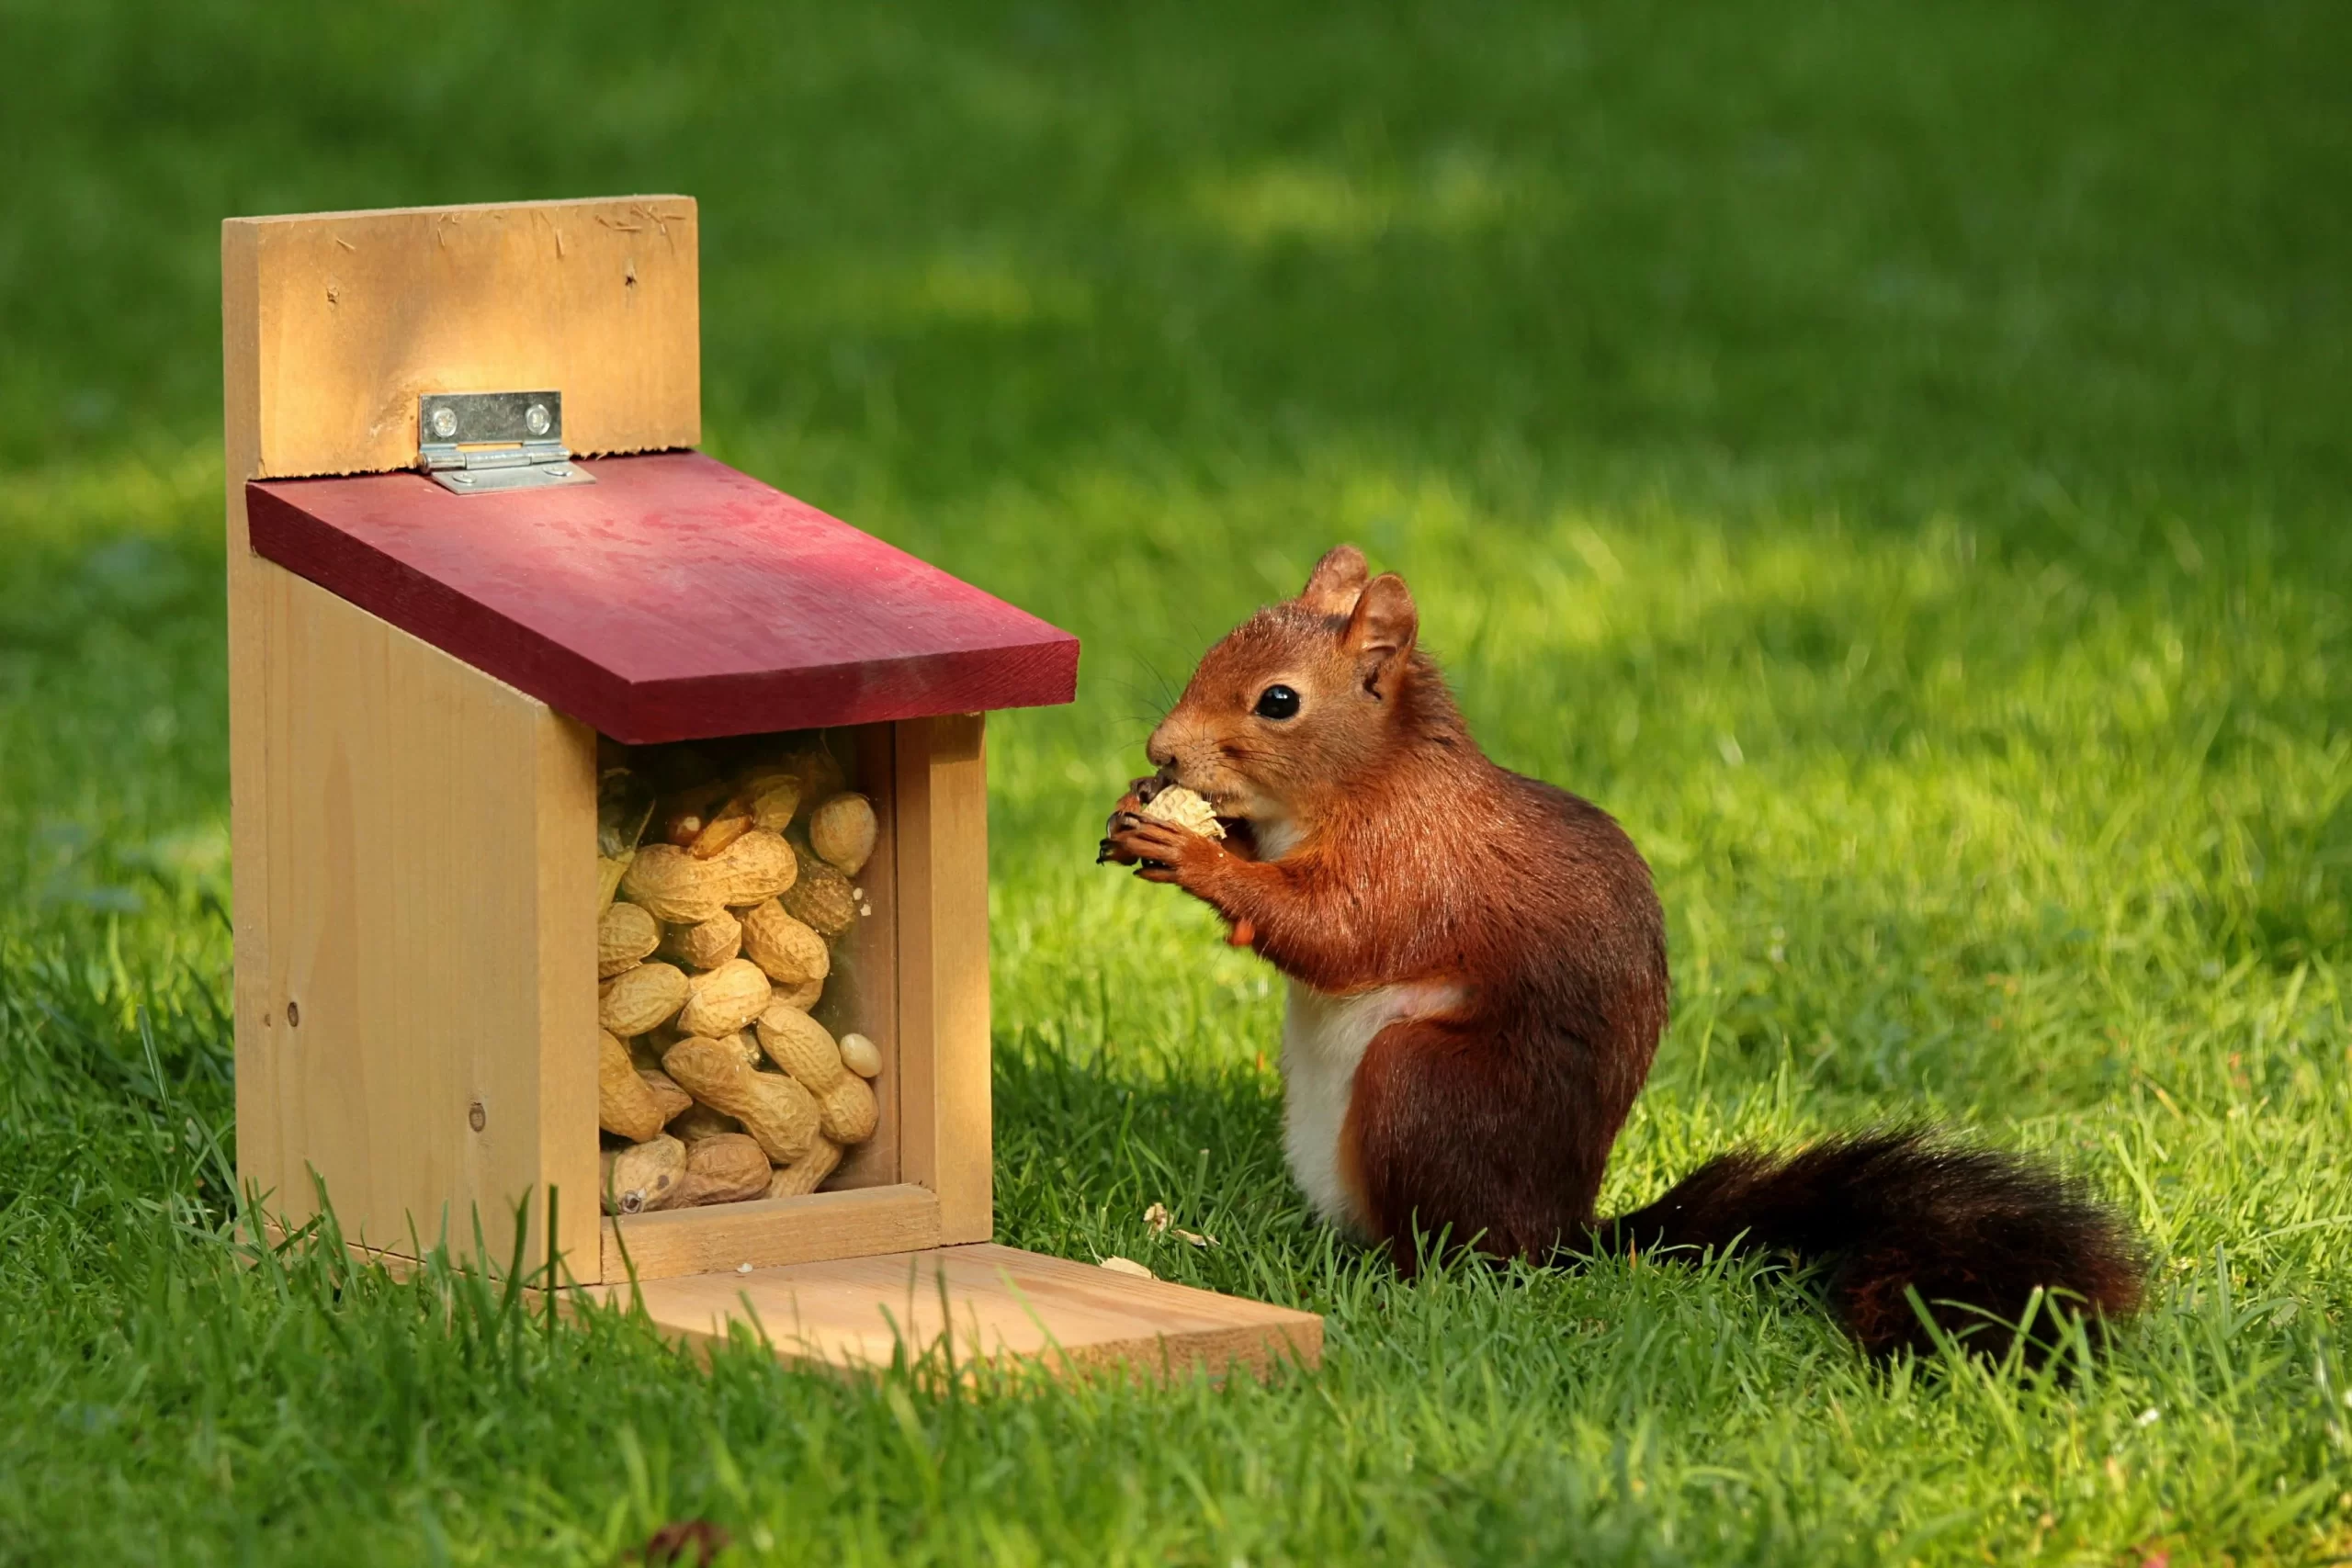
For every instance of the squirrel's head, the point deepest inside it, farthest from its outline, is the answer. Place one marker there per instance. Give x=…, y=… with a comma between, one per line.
x=1299, y=701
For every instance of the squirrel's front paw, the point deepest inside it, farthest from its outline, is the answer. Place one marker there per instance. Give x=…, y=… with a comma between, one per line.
x=1139, y=793
x=1160, y=852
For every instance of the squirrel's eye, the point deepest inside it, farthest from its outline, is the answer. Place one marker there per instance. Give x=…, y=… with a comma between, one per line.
x=1277, y=701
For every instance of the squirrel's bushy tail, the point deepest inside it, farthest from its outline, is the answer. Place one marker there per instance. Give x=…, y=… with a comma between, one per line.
x=1972, y=1232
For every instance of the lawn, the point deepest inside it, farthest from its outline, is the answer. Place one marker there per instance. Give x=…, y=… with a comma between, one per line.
x=1894, y=457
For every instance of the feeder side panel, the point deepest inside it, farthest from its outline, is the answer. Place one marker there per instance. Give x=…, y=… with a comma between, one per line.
x=427, y=997
x=946, y=1133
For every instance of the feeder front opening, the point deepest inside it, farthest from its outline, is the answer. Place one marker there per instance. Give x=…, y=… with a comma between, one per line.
x=744, y=1026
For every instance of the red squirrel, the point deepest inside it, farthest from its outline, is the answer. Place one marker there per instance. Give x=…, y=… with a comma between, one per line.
x=1477, y=972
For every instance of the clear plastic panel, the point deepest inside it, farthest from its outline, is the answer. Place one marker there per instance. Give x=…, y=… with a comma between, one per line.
x=744, y=959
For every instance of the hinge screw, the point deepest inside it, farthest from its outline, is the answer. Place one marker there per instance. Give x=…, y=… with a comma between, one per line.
x=445, y=422
x=536, y=419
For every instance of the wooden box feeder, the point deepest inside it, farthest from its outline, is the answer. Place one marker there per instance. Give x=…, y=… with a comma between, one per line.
x=500, y=642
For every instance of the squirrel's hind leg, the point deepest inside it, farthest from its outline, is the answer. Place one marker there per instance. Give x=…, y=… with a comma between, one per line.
x=1451, y=1140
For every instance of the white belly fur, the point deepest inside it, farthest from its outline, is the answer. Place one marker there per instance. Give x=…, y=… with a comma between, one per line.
x=1324, y=1037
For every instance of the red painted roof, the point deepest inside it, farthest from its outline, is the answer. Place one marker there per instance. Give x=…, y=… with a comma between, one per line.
x=672, y=600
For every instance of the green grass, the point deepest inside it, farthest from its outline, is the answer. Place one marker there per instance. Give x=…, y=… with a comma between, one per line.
x=1894, y=457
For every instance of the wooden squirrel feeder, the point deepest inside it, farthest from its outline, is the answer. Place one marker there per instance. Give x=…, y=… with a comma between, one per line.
x=474, y=560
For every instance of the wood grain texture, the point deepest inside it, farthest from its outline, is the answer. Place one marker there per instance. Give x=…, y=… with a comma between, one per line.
x=414, y=873
x=354, y=315
x=429, y=902
x=399, y=1265
x=767, y=1232
x=862, y=992
x=1000, y=1304
x=946, y=1139
x=674, y=599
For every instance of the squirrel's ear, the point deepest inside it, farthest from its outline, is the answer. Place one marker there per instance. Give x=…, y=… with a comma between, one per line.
x=1381, y=631
x=1331, y=588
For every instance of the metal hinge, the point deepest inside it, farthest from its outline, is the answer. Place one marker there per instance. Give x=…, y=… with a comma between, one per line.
x=474, y=443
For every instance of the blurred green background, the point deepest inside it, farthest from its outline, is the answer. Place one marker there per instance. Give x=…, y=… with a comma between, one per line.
x=1894, y=457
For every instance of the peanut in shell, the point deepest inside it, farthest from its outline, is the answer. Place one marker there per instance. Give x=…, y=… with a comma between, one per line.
x=725, y=999
x=637, y=999
x=744, y=1044
x=820, y=772
x=842, y=831
x=726, y=1169
x=802, y=997
x=626, y=1107
x=698, y=1121
x=847, y=1112
x=705, y=944
x=666, y=1093
x=1180, y=808
x=672, y=885
x=755, y=867
x=626, y=934
x=643, y=1176
x=774, y=1110
x=803, y=1047
x=804, y=1175
x=820, y=897
x=790, y=953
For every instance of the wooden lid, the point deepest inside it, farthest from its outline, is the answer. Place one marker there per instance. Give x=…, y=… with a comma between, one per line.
x=674, y=599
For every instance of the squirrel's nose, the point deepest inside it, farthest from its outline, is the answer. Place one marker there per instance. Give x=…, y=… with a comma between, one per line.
x=1158, y=752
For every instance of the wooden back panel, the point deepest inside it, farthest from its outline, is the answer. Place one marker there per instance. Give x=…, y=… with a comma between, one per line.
x=352, y=315
x=415, y=840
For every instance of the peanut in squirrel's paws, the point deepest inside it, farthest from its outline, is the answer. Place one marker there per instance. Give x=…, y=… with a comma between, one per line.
x=1126, y=812
x=1152, y=802
x=1157, y=851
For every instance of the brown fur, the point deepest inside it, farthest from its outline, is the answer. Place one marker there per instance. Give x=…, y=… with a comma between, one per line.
x=1406, y=856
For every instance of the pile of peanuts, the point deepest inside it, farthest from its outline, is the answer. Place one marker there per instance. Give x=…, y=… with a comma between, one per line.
x=723, y=900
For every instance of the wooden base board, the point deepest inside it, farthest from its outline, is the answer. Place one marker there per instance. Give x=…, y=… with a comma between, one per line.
x=769, y=1232
x=1004, y=1305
